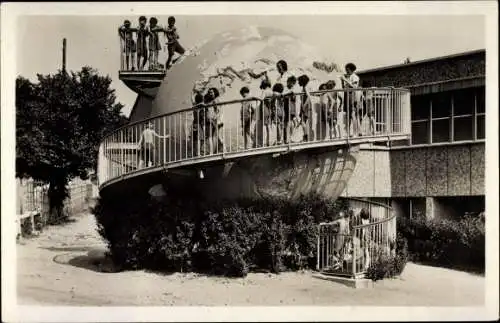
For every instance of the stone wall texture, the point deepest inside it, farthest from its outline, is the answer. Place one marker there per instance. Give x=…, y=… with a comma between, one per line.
x=455, y=170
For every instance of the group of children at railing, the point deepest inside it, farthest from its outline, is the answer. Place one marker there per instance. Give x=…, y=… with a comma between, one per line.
x=351, y=243
x=283, y=110
x=286, y=109
x=147, y=45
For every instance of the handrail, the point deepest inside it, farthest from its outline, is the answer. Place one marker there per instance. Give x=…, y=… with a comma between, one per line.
x=351, y=252
x=222, y=128
x=194, y=108
x=369, y=202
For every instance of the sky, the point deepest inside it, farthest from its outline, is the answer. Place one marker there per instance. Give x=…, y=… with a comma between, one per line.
x=368, y=40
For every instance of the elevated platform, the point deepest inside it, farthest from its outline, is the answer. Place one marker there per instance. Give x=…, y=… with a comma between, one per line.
x=187, y=141
x=143, y=82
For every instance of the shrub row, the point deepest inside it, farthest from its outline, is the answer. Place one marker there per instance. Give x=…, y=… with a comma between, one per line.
x=446, y=242
x=229, y=238
x=389, y=266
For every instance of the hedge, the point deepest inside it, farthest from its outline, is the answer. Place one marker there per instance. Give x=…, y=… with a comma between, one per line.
x=444, y=242
x=389, y=266
x=229, y=238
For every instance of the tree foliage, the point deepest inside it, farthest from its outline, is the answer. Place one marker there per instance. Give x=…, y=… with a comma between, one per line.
x=60, y=120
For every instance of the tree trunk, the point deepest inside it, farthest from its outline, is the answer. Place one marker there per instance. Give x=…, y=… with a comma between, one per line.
x=57, y=193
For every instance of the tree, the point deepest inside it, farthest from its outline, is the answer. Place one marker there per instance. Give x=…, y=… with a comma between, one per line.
x=60, y=121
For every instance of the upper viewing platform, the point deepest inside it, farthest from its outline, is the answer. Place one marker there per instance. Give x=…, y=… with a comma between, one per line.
x=252, y=126
x=140, y=69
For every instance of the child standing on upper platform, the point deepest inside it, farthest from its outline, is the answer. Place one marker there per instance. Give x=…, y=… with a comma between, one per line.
x=142, y=47
x=128, y=43
x=154, y=42
x=173, y=45
x=352, y=98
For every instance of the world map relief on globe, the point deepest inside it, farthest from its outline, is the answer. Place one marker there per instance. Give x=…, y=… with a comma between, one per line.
x=227, y=61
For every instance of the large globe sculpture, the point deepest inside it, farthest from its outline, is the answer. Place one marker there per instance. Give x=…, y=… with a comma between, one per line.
x=227, y=62
x=224, y=62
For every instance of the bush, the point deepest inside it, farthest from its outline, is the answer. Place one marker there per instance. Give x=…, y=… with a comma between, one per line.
x=228, y=238
x=389, y=266
x=444, y=242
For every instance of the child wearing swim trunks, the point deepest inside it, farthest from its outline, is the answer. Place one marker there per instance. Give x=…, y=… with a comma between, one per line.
x=154, y=42
x=173, y=45
x=247, y=116
x=129, y=48
x=278, y=111
x=142, y=47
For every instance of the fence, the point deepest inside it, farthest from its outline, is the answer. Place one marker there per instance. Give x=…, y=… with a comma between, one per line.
x=255, y=126
x=33, y=203
x=129, y=60
x=347, y=246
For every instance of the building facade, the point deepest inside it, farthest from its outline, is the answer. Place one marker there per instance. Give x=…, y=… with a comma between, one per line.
x=440, y=171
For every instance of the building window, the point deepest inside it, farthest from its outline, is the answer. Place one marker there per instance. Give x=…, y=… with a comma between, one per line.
x=463, y=128
x=463, y=102
x=420, y=113
x=420, y=132
x=480, y=112
x=440, y=130
x=420, y=107
x=441, y=105
x=450, y=116
x=480, y=127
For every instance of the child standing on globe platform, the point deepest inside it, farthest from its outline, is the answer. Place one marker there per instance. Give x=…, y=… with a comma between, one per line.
x=142, y=48
x=291, y=121
x=326, y=113
x=247, y=116
x=147, y=145
x=306, y=108
x=263, y=124
x=278, y=111
x=198, y=124
x=154, y=42
x=173, y=45
x=336, y=109
x=369, y=107
x=350, y=81
x=128, y=43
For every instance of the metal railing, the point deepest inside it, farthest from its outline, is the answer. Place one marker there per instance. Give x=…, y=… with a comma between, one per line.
x=133, y=52
x=347, y=246
x=254, y=126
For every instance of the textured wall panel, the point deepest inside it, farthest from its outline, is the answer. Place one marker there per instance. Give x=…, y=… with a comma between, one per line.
x=415, y=161
x=398, y=174
x=361, y=182
x=477, y=169
x=459, y=170
x=437, y=171
x=382, y=173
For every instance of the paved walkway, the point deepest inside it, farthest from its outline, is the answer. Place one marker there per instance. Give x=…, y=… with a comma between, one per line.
x=59, y=268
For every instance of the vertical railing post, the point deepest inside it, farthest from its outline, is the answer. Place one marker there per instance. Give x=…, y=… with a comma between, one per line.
x=354, y=251
x=164, y=141
x=318, y=251
x=121, y=153
x=348, y=114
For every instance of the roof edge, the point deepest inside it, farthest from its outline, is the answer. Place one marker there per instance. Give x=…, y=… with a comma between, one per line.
x=423, y=61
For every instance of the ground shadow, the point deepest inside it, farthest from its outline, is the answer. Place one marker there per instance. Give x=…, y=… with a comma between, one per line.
x=95, y=260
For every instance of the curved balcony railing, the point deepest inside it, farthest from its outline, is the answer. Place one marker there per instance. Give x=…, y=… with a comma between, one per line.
x=350, y=244
x=223, y=131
